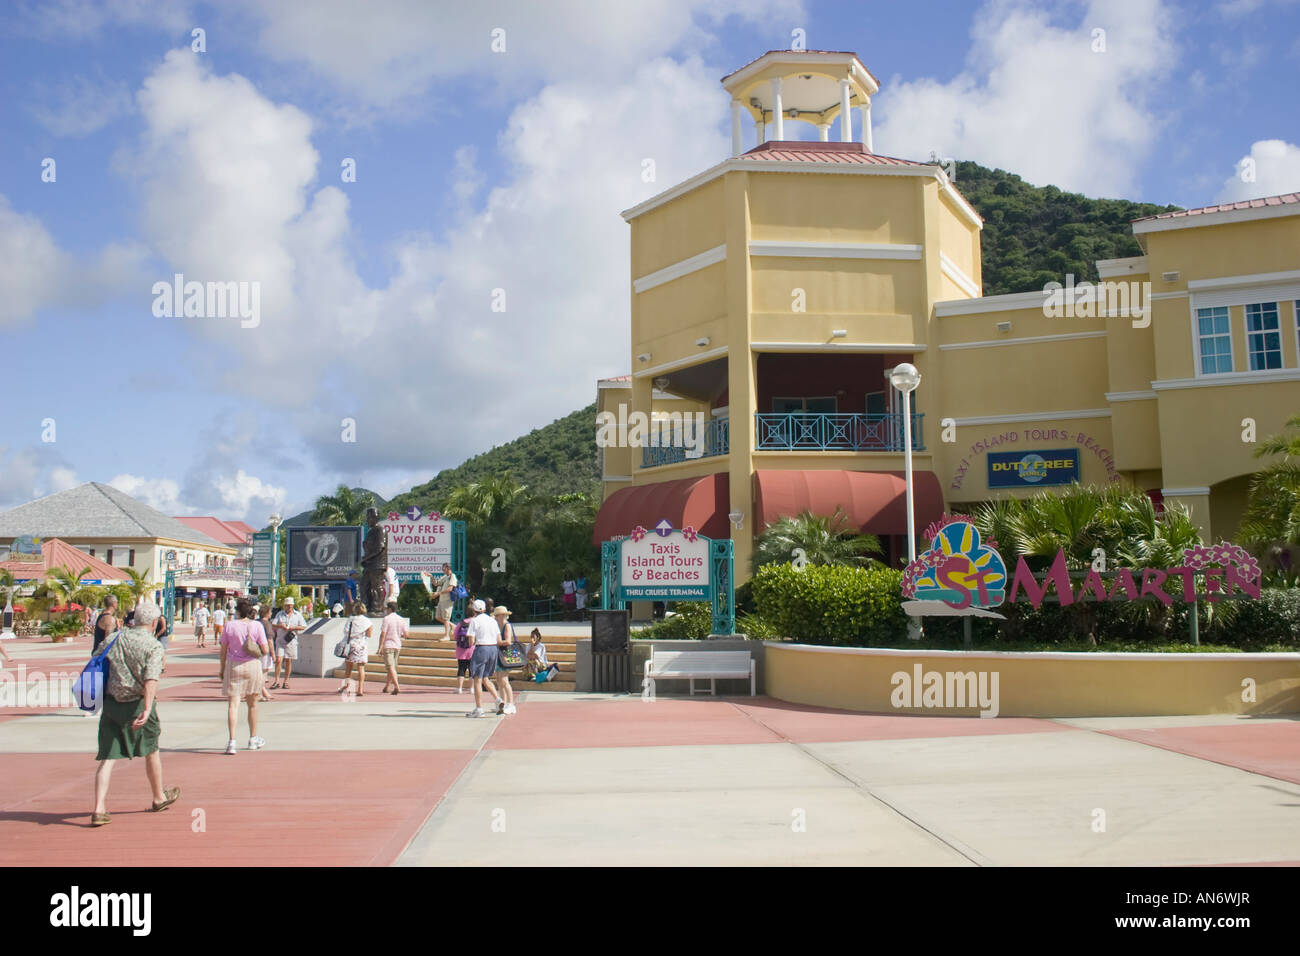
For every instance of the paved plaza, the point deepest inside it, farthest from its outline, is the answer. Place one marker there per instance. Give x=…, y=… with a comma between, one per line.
x=610, y=779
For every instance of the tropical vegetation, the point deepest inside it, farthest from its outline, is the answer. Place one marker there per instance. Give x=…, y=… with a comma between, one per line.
x=815, y=539
x=1271, y=523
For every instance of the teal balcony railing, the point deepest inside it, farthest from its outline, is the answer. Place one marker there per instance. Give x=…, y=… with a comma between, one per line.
x=672, y=448
x=834, y=431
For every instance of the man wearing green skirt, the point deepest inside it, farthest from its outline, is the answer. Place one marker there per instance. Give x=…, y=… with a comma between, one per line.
x=128, y=724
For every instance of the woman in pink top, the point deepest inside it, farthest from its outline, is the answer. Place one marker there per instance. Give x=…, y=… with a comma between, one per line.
x=241, y=672
x=391, y=631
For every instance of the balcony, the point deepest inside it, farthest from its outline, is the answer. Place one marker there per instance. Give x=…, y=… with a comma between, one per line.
x=716, y=442
x=834, y=431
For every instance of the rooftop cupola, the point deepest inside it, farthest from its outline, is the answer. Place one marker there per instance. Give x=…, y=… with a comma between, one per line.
x=811, y=86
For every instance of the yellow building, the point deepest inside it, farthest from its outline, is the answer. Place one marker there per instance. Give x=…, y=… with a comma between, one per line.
x=772, y=294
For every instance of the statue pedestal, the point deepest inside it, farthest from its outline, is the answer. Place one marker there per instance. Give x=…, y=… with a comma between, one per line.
x=316, y=647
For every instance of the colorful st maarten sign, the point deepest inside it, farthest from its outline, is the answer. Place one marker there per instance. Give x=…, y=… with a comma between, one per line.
x=671, y=564
x=961, y=574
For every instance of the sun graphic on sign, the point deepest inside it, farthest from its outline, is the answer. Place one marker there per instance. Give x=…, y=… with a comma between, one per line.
x=955, y=566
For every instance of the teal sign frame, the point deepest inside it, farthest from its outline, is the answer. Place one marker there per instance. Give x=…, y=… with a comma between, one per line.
x=720, y=592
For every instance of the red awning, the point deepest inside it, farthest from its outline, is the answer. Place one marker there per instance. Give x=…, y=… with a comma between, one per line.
x=875, y=501
x=700, y=503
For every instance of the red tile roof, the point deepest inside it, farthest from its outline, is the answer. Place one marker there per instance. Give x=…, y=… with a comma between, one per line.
x=1284, y=199
x=60, y=554
x=815, y=151
x=222, y=531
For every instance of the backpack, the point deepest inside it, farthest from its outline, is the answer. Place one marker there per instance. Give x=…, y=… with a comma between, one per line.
x=88, y=688
x=463, y=641
x=459, y=593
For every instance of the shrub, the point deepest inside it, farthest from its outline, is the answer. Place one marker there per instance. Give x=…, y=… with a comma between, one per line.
x=859, y=607
x=693, y=621
x=413, y=603
x=755, y=627
x=1273, y=618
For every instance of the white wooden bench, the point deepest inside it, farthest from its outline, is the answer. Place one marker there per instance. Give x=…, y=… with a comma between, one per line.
x=698, y=665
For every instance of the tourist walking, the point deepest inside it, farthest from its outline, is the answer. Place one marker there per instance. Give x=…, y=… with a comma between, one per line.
x=268, y=659
x=464, y=651
x=391, y=632
x=288, y=623
x=201, y=620
x=356, y=632
x=105, y=623
x=486, y=636
x=443, y=591
x=580, y=594
x=128, y=724
x=243, y=644
x=218, y=621
x=501, y=614
x=570, y=589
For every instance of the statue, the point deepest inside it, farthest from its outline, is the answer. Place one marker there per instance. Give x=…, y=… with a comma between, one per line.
x=374, y=562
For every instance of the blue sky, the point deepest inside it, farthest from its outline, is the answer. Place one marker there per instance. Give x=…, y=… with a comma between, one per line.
x=475, y=171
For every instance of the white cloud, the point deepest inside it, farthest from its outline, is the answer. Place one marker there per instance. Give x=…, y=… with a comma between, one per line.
x=398, y=48
x=78, y=106
x=227, y=178
x=30, y=264
x=1035, y=99
x=29, y=473
x=160, y=493
x=35, y=273
x=93, y=19
x=1272, y=167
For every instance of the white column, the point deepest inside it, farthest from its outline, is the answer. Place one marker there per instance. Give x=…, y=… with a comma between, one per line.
x=866, y=126
x=846, y=114
x=778, y=133
x=823, y=131
x=759, y=129
x=736, y=147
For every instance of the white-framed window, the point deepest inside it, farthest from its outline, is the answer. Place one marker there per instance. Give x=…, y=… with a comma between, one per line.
x=1263, y=336
x=1214, y=340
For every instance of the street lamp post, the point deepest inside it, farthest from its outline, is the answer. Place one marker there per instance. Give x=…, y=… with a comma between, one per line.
x=274, y=521
x=906, y=378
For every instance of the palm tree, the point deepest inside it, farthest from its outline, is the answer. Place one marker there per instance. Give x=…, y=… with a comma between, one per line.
x=138, y=584
x=344, y=507
x=486, y=501
x=9, y=585
x=822, y=539
x=1271, y=523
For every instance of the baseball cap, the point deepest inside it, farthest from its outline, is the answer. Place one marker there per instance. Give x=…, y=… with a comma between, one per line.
x=480, y=606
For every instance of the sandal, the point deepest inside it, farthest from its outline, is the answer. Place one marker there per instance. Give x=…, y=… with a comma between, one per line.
x=100, y=819
x=169, y=797
x=275, y=686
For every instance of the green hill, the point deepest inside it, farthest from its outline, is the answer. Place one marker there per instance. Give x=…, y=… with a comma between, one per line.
x=1034, y=235
x=557, y=459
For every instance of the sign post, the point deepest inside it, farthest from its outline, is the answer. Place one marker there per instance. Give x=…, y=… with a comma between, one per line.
x=265, y=572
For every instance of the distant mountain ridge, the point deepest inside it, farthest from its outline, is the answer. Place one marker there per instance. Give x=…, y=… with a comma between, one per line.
x=556, y=459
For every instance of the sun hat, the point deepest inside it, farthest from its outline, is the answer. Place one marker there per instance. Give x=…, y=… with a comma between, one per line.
x=480, y=606
x=501, y=609
x=288, y=600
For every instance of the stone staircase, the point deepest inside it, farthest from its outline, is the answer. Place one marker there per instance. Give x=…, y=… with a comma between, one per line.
x=426, y=661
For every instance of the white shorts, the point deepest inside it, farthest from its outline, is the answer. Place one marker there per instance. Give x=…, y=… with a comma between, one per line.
x=288, y=649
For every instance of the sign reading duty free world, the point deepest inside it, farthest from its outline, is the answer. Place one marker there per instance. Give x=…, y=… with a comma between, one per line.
x=1015, y=469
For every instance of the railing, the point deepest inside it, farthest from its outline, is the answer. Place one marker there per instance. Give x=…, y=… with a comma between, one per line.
x=672, y=448
x=834, y=431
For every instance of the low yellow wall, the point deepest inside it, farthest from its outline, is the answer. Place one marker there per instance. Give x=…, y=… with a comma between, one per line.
x=1036, y=684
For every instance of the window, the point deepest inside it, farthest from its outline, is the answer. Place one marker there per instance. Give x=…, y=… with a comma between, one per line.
x=1263, y=336
x=1215, y=340
x=877, y=403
